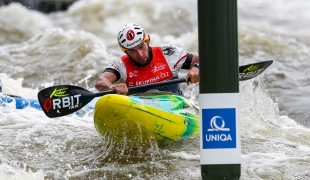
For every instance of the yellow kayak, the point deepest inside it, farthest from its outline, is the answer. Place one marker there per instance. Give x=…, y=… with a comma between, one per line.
x=142, y=119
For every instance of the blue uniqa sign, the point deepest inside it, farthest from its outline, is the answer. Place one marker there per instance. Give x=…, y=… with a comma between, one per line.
x=219, y=128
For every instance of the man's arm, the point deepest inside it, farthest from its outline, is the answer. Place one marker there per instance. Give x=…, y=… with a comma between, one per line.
x=195, y=59
x=193, y=72
x=105, y=81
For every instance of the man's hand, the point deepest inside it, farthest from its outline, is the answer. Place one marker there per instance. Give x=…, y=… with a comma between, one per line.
x=120, y=88
x=193, y=74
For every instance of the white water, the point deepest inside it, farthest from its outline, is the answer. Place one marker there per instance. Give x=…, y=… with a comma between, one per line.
x=73, y=47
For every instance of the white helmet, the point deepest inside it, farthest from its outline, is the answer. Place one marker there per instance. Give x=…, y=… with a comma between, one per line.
x=130, y=36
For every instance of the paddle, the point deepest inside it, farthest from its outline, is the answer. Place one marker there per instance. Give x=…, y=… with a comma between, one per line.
x=62, y=100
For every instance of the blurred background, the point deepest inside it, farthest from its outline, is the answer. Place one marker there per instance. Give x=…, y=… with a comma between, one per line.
x=45, y=6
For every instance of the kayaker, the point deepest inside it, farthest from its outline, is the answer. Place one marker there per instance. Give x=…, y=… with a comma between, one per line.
x=143, y=64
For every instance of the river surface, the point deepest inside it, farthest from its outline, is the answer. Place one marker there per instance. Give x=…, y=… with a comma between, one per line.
x=73, y=47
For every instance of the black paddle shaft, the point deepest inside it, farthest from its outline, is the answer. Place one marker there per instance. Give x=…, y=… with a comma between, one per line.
x=62, y=100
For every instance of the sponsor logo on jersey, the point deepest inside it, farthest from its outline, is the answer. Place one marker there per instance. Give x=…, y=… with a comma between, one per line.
x=219, y=128
x=130, y=84
x=168, y=50
x=133, y=74
x=148, y=81
x=115, y=67
x=158, y=67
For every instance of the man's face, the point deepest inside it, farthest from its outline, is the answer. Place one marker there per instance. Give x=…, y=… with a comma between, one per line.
x=139, y=53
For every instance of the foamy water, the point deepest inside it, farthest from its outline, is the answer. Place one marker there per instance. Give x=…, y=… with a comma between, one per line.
x=73, y=47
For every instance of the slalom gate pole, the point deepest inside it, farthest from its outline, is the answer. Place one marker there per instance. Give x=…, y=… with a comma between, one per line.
x=220, y=144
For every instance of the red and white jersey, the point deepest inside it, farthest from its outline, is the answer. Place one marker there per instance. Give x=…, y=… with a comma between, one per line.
x=166, y=63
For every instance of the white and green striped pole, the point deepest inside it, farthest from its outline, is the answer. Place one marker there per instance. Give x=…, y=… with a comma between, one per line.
x=220, y=145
